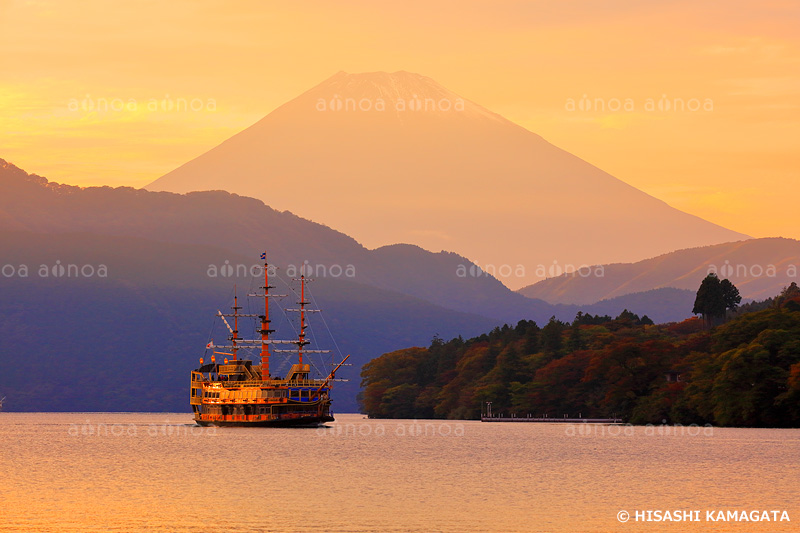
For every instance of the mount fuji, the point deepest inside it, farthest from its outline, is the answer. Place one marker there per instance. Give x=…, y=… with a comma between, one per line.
x=397, y=158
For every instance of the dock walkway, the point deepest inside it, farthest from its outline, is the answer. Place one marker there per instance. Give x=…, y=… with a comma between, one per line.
x=549, y=420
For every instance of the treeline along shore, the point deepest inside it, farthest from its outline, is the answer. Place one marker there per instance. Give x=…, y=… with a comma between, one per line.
x=743, y=371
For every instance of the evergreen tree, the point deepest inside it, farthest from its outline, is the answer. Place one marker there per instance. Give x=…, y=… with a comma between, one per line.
x=730, y=294
x=628, y=317
x=710, y=300
x=532, y=338
x=575, y=341
x=792, y=292
x=551, y=336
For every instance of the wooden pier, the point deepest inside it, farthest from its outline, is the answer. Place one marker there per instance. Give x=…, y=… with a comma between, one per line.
x=548, y=420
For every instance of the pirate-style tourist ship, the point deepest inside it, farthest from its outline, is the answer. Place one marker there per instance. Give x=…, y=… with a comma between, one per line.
x=237, y=392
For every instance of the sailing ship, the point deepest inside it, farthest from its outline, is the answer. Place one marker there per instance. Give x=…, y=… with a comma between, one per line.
x=1, y=402
x=238, y=392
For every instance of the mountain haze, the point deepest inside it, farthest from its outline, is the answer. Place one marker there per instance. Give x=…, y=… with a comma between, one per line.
x=242, y=226
x=238, y=227
x=760, y=268
x=126, y=340
x=430, y=168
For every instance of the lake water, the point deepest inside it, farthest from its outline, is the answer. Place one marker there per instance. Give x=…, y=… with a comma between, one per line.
x=158, y=472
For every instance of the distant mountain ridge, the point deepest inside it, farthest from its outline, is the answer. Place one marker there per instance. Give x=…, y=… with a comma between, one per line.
x=441, y=172
x=760, y=268
x=240, y=225
x=244, y=226
x=171, y=258
x=236, y=226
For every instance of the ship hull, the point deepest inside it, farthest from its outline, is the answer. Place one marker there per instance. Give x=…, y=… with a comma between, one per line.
x=306, y=421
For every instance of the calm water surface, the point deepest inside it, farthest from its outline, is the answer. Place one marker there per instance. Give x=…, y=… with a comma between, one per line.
x=157, y=472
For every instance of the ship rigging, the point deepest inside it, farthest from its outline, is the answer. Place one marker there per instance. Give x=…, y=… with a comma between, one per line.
x=241, y=393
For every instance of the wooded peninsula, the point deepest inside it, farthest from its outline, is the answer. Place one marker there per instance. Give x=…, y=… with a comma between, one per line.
x=737, y=367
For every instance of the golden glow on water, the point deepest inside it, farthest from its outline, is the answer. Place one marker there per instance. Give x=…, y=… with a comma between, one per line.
x=133, y=472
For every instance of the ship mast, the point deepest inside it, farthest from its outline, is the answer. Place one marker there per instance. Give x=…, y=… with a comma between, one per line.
x=235, y=333
x=265, y=331
x=301, y=341
x=302, y=337
x=265, y=341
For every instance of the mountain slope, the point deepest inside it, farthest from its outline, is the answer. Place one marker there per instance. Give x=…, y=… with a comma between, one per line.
x=234, y=226
x=433, y=169
x=660, y=305
x=245, y=226
x=125, y=340
x=760, y=268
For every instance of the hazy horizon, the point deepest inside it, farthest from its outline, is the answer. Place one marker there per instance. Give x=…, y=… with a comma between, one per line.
x=731, y=161
x=398, y=158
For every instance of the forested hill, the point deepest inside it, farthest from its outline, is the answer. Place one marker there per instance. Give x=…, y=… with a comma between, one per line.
x=743, y=373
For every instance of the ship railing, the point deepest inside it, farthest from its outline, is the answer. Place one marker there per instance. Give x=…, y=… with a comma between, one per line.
x=304, y=383
x=272, y=383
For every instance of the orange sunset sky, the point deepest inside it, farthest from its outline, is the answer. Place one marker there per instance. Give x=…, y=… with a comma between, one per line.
x=734, y=162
